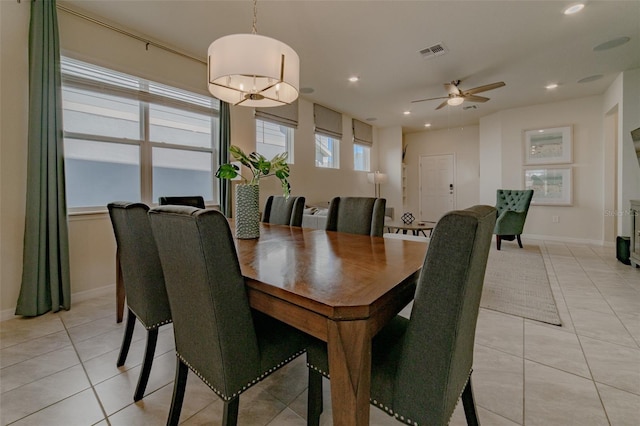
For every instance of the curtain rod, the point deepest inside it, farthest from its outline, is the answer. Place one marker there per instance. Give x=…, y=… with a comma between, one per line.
x=127, y=33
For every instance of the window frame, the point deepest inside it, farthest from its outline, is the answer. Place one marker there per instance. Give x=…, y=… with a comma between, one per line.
x=289, y=139
x=335, y=151
x=147, y=94
x=367, y=149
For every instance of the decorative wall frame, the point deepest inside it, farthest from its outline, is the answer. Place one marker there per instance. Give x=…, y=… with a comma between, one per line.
x=552, y=186
x=548, y=146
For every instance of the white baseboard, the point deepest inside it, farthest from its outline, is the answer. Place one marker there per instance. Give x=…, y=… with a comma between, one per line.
x=8, y=314
x=565, y=239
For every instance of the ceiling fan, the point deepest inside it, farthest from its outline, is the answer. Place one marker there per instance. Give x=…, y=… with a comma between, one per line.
x=457, y=96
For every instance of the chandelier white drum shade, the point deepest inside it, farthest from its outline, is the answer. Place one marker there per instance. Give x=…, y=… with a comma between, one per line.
x=253, y=70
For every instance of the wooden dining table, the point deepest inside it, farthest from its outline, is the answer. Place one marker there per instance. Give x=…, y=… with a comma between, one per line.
x=341, y=288
x=338, y=287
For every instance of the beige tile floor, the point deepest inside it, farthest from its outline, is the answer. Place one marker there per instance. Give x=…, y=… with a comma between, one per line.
x=59, y=369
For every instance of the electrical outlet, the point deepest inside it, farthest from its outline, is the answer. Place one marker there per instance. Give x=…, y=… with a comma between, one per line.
x=555, y=219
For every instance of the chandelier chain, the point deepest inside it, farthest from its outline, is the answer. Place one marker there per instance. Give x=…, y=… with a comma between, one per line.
x=254, y=29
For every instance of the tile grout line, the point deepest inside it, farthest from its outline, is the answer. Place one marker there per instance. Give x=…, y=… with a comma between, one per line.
x=86, y=373
x=593, y=380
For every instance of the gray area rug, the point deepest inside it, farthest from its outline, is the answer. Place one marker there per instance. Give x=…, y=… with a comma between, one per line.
x=516, y=283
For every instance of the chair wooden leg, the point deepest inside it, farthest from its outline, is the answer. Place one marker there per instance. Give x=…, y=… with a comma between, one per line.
x=179, y=386
x=498, y=241
x=314, y=398
x=519, y=240
x=126, y=339
x=230, y=412
x=152, y=339
x=469, y=404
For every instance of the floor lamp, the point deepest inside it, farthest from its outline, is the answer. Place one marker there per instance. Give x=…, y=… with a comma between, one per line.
x=376, y=178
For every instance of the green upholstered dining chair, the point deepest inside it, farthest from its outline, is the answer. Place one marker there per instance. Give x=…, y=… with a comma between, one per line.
x=512, y=206
x=143, y=280
x=357, y=215
x=421, y=366
x=282, y=211
x=218, y=336
x=183, y=200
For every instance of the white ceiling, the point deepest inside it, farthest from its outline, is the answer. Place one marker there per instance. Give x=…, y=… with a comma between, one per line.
x=526, y=44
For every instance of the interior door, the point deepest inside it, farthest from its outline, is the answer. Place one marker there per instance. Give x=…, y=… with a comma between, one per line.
x=437, y=186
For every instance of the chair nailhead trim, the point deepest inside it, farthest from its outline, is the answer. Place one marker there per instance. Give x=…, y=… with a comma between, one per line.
x=389, y=410
x=225, y=397
x=159, y=324
x=151, y=327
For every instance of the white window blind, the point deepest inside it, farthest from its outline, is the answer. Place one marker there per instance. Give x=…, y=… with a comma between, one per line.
x=362, y=133
x=84, y=76
x=327, y=121
x=286, y=115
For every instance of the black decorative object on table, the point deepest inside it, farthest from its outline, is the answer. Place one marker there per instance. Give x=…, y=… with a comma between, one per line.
x=407, y=218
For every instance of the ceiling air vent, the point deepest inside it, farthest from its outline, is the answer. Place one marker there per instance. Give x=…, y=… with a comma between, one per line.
x=433, y=51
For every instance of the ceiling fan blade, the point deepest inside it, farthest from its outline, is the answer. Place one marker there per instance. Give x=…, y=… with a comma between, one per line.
x=442, y=105
x=484, y=88
x=429, y=99
x=474, y=98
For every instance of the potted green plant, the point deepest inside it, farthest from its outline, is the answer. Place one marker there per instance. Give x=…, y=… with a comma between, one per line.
x=247, y=200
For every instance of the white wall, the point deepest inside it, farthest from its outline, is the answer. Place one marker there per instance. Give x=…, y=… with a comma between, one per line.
x=14, y=90
x=390, y=161
x=463, y=142
x=584, y=220
x=624, y=95
x=490, y=147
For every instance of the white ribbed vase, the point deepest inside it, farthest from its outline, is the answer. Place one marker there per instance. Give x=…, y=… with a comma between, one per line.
x=247, y=211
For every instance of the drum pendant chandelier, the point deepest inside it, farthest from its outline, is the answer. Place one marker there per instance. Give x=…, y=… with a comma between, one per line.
x=253, y=70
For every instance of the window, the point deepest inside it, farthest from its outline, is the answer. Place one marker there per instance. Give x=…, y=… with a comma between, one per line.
x=273, y=139
x=328, y=134
x=361, y=157
x=327, y=152
x=126, y=138
x=362, y=142
x=274, y=130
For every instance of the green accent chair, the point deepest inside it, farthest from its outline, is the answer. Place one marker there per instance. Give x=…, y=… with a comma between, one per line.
x=143, y=281
x=512, y=206
x=357, y=215
x=282, y=211
x=217, y=335
x=421, y=366
x=183, y=200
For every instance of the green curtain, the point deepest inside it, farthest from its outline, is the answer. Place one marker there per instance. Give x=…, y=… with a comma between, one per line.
x=224, y=185
x=45, y=267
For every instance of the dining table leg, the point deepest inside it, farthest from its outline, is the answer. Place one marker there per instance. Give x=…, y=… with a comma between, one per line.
x=349, y=347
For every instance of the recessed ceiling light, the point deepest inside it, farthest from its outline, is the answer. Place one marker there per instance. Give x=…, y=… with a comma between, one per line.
x=611, y=44
x=574, y=8
x=551, y=86
x=354, y=78
x=371, y=119
x=590, y=78
x=427, y=124
x=407, y=112
x=307, y=90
